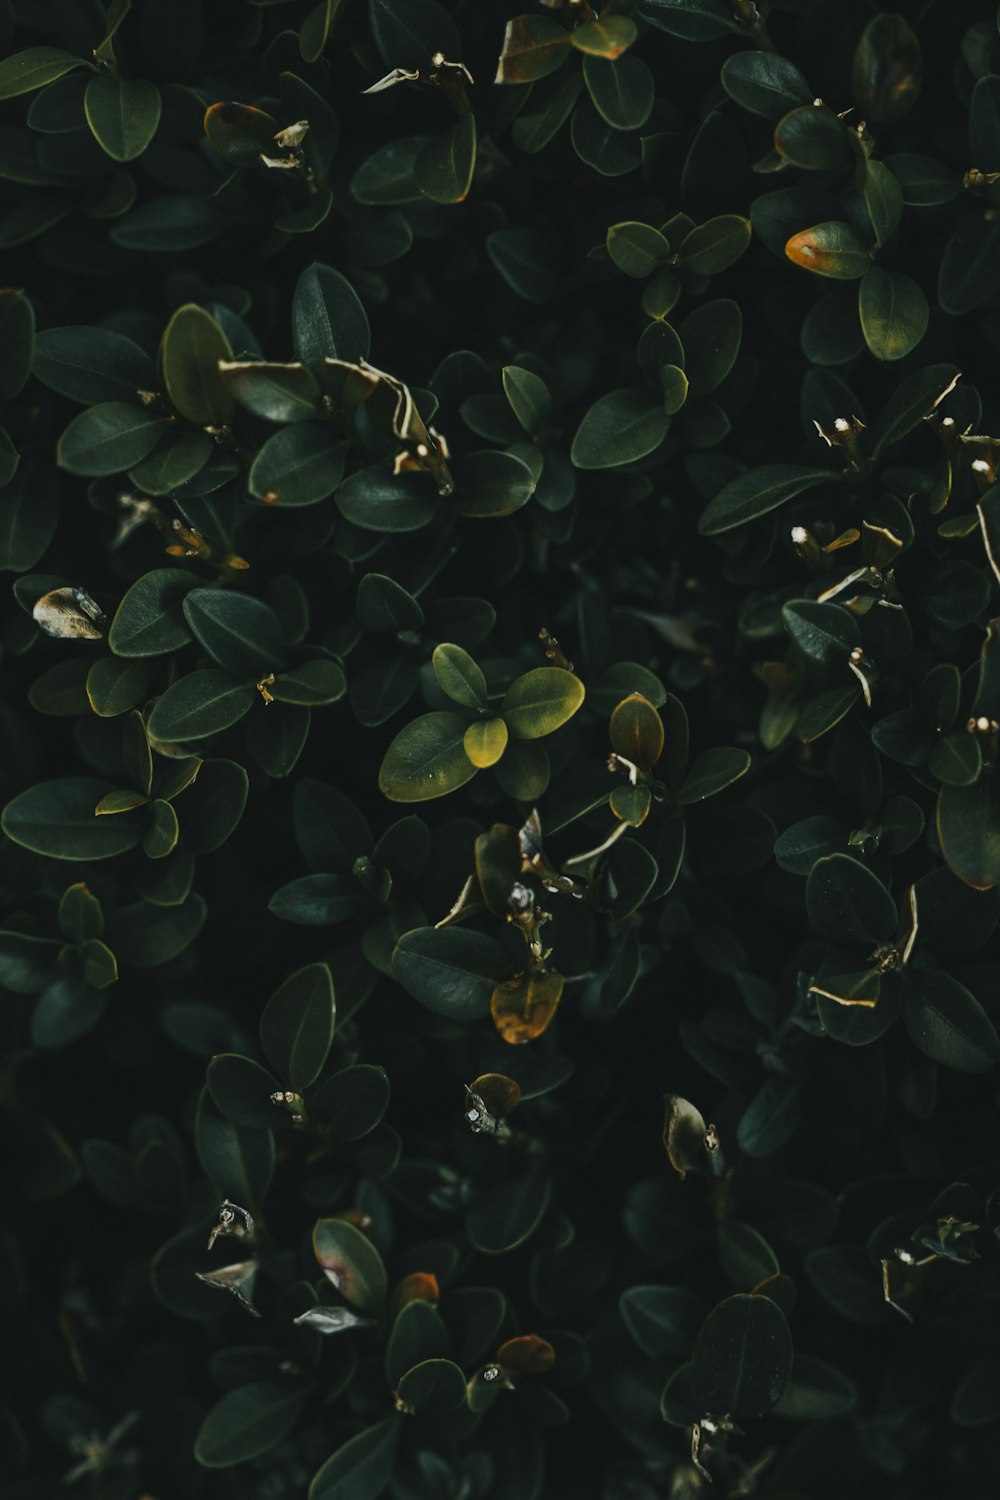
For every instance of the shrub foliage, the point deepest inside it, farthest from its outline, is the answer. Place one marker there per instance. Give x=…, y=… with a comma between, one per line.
x=500, y=722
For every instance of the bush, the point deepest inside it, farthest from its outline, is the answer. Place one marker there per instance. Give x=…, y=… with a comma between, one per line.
x=501, y=706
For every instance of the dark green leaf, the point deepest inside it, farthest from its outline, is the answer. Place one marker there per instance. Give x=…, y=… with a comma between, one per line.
x=239, y=1163
x=57, y=818
x=92, y=364
x=755, y=493
x=350, y=1103
x=451, y=970
x=742, y=1357
x=109, y=438
x=948, y=1023
x=426, y=759
x=123, y=114
x=193, y=345
x=239, y=632
x=619, y=428
x=848, y=904
x=296, y=1027
x=246, y=1422
x=201, y=704
x=22, y=72
x=764, y=83
x=509, y=1212
x=328, y=320
x=362, y=1467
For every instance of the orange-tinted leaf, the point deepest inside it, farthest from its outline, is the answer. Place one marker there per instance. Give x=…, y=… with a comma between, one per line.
x=532, y=47
x=527, y=1355
x=500, y=1094
x=239, y=132
x=419, y=1286
x=523, y=1007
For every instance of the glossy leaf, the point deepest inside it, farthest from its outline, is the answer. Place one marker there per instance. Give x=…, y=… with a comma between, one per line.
x=452, y=971
x=742, y=1357
x=350, y=1261
x=123, y=114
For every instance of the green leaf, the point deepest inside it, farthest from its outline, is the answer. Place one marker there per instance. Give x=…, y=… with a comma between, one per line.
x=535, y=127
x=278, y=393
x=17, y=337
x=715, y=246
x=525, y=260
x=910, y=402
x=623, y=90
x=351, y=1262
x=508, y=1213
x=384, y=605
x=816, y=1391
x=24, y=71
x=362, y=1467
x=968, y=826
x=426, y=759
x=756, y=492
x=742, y=1357
x=114, y=686
x=150, y=619
x=887, y=71
x=123, y=114
x=351, y=1103
x=605, y=37
x=91, y=365
x=663, y=1320
x=893, y=311
x=764, y=83
x=848, y=904
x=408, y=32
x=813, y=137
x=175, y=460
x=202, y=703
x=57, y=818
x=108, y=439
x=451, y=970
x=144, y=935
x=619, y=428
x=319, y=900
x=529, y=398
x=711, y=772
x=540, y=701
x=711, y=338
x=299, y=465
x=315, y=30
x=883, y=200
x=636, y=248
x=311, y=684
x=246, y=1422
x=693, y=20
x=948, y=1023
x=435, y=1385
x=533, y=46
x=492, y=483
x=239, y=1163
x=418, y=1333
x=27, y=964
x=825, y=633
x=445, y=164
x=969, y=273
x=378, y=500
x=193, y=345
x=242, y=1090
x=239, y=632
x=214, y=804
x=29, y=514
x=296, y=1027
x=768, y=1122
x=328, y=320
x=459, y=676
x=485, y=742
x=240, y=133
x=831, y=249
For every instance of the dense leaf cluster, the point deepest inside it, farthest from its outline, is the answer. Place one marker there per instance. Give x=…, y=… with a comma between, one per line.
x=500, y=730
